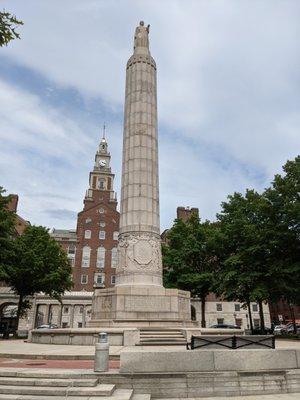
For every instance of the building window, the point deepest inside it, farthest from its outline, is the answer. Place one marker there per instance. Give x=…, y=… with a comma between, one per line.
x=100, y=257
x=237, y=307
x=101, y=184
x=79, y=324
x=86, y=253
x=113, y=279
x=64, y=325
x=102, y=224
x=102, y=235
x=254, y=307
x=66, y=310
x=239, y=322
x=256, y=323
x=220, y=321
x=115, y=235
x=84, y=279
x=71, y=260
x=88, y=220
x=87, y=234
x=81, y=310
x=99, y=279
x=71, y=250
x=114, y=257
x=219, y=306
x=101, y=210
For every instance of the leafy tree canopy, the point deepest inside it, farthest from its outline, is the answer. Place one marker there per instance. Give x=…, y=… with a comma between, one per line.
x=189, y=258
x=37, y=264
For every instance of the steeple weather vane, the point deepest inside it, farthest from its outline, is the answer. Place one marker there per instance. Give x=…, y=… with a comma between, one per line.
x=103, y=134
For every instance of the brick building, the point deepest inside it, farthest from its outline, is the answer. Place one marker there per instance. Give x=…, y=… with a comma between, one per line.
x=67, y=238
x=20, y=223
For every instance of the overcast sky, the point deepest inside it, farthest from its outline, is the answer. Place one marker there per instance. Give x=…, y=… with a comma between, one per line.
x=228, y=98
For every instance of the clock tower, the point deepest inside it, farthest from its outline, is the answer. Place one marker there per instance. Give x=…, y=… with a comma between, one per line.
x=97, y=227
x=101, y=178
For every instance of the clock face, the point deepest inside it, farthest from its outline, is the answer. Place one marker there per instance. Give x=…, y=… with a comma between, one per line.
x=102, y=163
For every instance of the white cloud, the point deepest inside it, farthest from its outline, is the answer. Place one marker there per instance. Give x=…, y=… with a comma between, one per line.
x=228, y=74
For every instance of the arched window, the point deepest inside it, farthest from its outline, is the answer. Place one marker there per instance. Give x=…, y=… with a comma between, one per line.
x=100, y=257
x=71, y=254
x=71, y=250
x=87, y=234
x=114, y=257
x=86, y=253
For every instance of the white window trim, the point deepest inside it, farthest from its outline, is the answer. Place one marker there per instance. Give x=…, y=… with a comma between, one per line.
x=101, y=232
x=87, y=234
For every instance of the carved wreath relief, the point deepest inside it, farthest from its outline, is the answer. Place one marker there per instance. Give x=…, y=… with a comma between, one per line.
x=139, y=251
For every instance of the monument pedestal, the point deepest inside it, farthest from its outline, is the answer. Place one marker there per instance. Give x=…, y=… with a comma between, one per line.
x=140, y=306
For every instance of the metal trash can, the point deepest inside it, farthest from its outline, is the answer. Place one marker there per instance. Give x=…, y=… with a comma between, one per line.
x=101, y=353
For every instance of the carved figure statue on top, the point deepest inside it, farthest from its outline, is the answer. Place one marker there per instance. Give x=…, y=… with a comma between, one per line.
x=141, y=38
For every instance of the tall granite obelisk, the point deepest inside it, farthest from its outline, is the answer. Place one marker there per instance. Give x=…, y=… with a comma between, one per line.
x=139, y=240
x=138, y=297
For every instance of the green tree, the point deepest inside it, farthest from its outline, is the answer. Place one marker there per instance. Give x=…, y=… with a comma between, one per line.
x=189, y=258
x=282, y=216
x=244, y=276
x=38, y=264
x=8, y=26
x=261, y=241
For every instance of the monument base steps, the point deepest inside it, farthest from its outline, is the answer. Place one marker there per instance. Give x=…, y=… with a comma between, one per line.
x=160, y=337
x=20, y=384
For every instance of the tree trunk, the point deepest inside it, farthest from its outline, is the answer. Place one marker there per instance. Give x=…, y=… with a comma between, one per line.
x=250, y=316
x=203, y=322
x=261, y=315
x=291, y=308
x=20, y=304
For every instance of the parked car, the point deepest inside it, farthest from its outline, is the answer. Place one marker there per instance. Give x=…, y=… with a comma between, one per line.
x=290, y=328
x=225, y=326
x=280, y=329
x=268, y=331
x=47, y=326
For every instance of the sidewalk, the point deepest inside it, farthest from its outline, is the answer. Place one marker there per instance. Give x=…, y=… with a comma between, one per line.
x=22, y=349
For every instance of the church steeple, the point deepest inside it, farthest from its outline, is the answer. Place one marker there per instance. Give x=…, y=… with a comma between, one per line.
x=101, y=178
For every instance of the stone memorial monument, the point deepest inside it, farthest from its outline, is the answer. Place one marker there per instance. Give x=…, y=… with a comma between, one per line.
x=139, y=298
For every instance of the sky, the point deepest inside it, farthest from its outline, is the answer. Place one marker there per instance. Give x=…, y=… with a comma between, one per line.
x=228, y=99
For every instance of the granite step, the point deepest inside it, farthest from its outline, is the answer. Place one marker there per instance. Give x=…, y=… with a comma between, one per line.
x=161, y=337
x=119, y=394
x=47, y=373
x=99, y=390
x=175, y=334
x=56, y=382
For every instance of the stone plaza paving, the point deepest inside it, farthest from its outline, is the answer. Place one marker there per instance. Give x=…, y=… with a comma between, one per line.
x=22, y=358
x=22, y=349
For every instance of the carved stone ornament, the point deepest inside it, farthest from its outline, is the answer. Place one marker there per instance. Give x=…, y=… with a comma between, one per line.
x=139, y=251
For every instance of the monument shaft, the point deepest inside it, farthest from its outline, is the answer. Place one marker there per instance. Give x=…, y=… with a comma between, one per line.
x=139, y=240
x=138, y=298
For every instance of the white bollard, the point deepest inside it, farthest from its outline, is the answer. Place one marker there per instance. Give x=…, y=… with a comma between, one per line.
x=101, y=353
